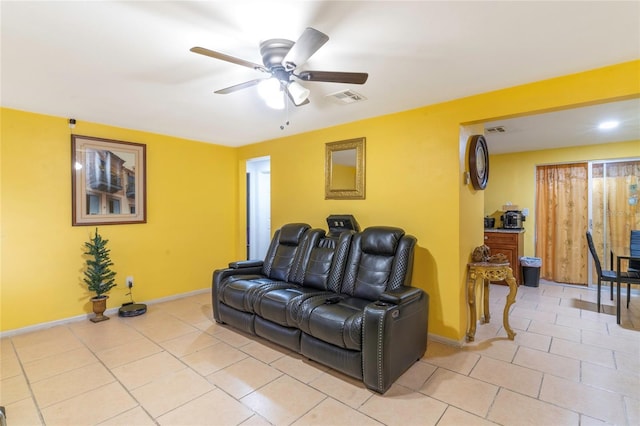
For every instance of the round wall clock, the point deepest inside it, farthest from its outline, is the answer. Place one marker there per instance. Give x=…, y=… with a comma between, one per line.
x=478, y=162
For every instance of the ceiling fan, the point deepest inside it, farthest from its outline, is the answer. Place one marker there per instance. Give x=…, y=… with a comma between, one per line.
x=282, y=59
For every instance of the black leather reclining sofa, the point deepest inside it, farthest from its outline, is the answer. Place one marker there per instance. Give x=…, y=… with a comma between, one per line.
x=345, y=301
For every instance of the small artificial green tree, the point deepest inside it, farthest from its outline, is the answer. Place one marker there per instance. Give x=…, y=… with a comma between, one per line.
x=98, y=277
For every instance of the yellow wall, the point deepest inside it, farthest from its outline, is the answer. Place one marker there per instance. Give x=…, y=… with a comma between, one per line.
x=513, y=177
x=414, y=180
x=414, y=176
x=187, y=234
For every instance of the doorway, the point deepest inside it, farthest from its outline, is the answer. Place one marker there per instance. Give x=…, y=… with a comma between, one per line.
x=258, y=207
x=614, y=193
x=601, y=196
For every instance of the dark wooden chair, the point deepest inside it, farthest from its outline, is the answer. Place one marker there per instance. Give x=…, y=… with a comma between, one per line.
x=634, y=250
x=611, y=276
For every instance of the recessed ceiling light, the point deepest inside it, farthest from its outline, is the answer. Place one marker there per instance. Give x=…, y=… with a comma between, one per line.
x=608, y=125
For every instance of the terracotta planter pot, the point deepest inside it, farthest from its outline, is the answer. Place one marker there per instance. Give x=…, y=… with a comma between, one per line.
x=99, y=306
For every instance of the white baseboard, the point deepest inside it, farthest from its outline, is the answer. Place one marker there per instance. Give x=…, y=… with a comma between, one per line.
x=446, y=340
x=84, y=317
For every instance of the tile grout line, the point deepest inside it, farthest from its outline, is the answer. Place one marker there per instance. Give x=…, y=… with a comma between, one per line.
x=28, y=382
x=115, y=378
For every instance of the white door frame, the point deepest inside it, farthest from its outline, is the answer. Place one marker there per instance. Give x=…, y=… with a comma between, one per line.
x=258, y=207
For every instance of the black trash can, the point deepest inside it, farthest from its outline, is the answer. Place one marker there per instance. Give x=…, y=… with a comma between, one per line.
x=531, y=270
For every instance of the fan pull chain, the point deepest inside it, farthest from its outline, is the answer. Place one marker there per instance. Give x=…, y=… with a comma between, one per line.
x=286, y=106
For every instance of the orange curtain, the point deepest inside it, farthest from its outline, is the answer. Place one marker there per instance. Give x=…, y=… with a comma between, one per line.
x=561, y=222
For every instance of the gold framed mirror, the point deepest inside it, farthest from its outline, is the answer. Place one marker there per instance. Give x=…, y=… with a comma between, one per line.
x=344, y=169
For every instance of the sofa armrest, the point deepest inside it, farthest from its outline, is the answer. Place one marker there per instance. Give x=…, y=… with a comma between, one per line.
x=394, y=337
x=401, y=295
x=245, y=264
x=242, y=268
x=221, y=274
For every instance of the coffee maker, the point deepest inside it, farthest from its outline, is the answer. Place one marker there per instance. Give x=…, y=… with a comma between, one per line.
x=512, y=219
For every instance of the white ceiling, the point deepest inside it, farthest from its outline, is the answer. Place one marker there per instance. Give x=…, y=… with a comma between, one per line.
x=128, y=63
x=571, y=127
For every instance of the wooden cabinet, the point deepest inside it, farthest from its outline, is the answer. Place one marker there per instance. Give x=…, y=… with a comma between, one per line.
x=511, y=244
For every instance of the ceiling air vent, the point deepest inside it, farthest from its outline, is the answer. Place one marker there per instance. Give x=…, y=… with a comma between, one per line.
x=347, y=97
x=496, y=129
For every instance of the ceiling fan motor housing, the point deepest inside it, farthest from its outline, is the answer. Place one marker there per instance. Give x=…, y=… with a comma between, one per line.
x=273, y=52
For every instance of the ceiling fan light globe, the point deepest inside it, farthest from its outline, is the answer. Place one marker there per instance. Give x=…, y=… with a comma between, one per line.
x=269, y=88
x=271, y=91
x=276, y=102
x=298, y=92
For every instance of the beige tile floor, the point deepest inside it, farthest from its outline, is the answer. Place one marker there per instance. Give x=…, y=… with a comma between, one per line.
x=568, y=365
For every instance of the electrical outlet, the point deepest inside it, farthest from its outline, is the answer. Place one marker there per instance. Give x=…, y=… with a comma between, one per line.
x=129, y=282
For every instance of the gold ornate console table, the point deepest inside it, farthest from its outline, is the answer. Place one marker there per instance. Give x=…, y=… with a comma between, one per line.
x=488, y=271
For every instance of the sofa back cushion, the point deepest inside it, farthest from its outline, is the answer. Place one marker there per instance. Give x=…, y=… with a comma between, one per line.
x=316, y=273
x=284, y=251
x=380, y=259
x=322, y=263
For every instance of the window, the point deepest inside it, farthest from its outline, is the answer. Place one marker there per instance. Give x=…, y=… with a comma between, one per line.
x=114, y=206
x=93, y=204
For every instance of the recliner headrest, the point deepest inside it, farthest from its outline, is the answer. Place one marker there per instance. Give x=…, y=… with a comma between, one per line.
x=291, y=234
x=381, y=240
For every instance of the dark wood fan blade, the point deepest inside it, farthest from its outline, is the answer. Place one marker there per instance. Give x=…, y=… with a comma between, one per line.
x=237, y=87
x=309, y=42
x=334, y=76
x=223, y=57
